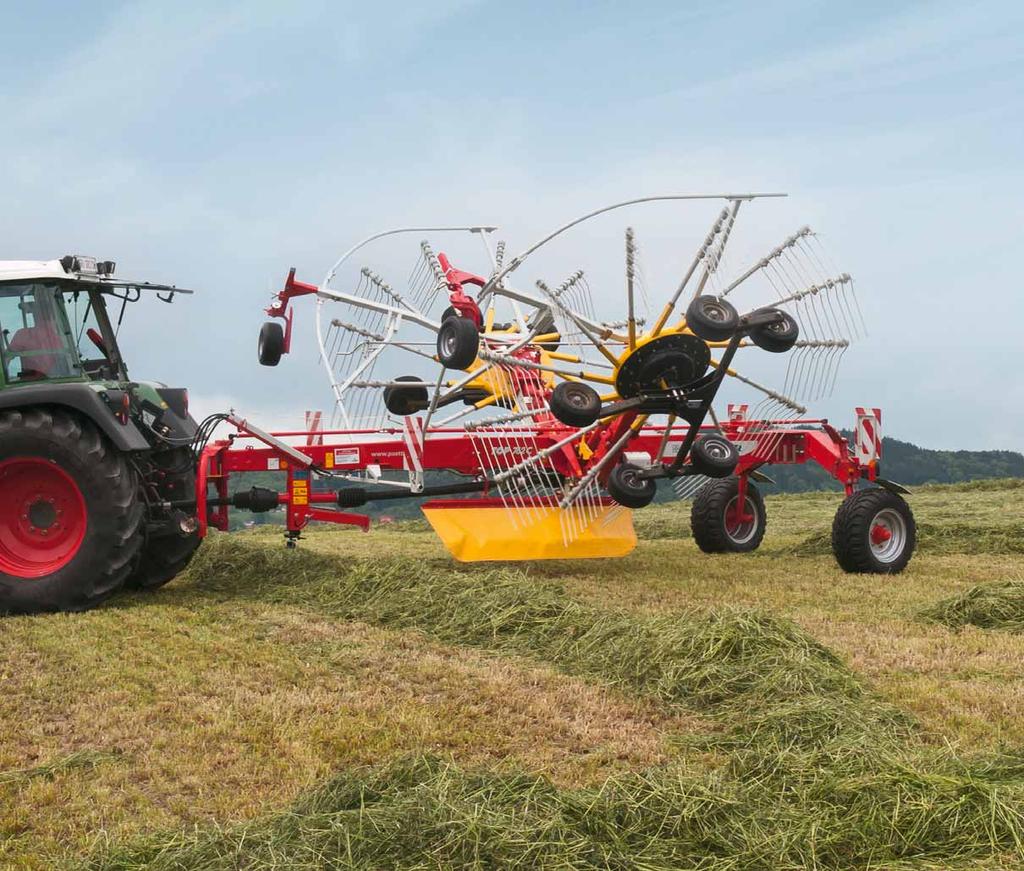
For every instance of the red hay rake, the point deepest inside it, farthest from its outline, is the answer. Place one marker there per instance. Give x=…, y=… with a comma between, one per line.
x=564, y=422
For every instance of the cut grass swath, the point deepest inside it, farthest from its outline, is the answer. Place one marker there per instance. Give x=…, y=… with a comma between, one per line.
x=808, y=769
x=998, y=605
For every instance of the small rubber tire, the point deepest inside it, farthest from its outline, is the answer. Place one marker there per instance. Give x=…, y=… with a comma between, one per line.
x=271, y=345
x=710, y=523
x=404, y=401
x=779, y=337
x=714, y=455
x=712, y=319
x=856, y=529
x=93, y=470
x=458, y=343
x=627, y=488
x=166, y=552
x=575, y=403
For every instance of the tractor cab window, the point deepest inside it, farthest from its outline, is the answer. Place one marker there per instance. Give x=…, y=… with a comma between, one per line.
x=88, y=332
x=35, y=340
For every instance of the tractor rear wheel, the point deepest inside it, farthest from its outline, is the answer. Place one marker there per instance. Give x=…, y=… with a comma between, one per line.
x=167, y=551
x=721, y=525
x=70, y=516
x=874, y=531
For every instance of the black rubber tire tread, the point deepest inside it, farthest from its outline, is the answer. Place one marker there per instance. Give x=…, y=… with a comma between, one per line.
x=776, y=338
x=706, y=463
x=707, y=517
x=271, y=345
x=114, y=511
x=573, y=413
x=624, y=491
x=467, y=343
x=851, y=530
x=165, y=555
x=404, y=401
x=709, y=329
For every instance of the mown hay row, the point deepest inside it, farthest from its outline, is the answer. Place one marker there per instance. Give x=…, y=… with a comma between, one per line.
x=424, y=813
x=996, y=605
x=809, y=769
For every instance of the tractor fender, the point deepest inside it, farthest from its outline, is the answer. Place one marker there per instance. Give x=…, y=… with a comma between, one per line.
x=83, y=399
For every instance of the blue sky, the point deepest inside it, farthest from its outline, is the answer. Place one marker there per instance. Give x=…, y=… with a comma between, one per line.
x=215, y=145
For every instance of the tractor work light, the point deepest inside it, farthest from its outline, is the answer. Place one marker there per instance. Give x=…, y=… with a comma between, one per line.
x=82, y=265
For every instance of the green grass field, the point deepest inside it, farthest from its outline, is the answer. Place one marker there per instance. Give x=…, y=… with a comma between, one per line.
x=364, y=702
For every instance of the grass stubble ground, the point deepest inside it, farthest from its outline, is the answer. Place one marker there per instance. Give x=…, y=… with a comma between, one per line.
x=364, y=703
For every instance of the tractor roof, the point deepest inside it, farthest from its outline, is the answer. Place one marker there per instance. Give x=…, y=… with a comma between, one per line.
x=36, y=270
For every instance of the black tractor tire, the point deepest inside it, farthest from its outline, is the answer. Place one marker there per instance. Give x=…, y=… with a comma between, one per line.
x=630, y=490
x=874, y=532
x=271, y=345
x=714, y=455
x=58, y=473
x=166, y=551
x=713, y=529
x=712, y=319
x=575, y=403
x=404, y=401
x=779, y=337
x=458, y=343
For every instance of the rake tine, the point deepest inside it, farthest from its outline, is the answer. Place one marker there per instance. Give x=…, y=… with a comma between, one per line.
x=702, y=251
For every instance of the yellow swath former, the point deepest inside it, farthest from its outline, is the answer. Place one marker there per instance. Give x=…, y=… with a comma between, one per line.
x=485, y=530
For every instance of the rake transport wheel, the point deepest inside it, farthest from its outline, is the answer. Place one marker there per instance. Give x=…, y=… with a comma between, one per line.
x=874, y=531
x=166, y=551
x=721, y=525
x=70, y=515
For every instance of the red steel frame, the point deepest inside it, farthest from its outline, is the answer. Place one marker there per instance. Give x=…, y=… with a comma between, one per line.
x=792, y=442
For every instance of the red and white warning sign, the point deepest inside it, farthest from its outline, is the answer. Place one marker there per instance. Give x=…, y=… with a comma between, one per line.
x=314, y=426
x=868, y=444
x=738, y=411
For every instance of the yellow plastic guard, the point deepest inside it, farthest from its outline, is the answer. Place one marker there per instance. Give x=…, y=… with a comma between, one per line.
x=485, y=530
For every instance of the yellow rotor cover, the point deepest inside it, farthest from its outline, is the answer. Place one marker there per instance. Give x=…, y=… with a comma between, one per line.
x=486, y=530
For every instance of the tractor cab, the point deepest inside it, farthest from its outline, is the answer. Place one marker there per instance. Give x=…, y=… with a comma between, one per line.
x=59, y=320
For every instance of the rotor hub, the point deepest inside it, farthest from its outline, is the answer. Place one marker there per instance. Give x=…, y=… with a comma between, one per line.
x=671, y=360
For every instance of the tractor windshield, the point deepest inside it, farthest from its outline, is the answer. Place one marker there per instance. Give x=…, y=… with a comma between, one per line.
x=49, y=330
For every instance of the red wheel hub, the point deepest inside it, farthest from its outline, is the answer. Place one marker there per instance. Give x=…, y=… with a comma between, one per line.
x=880, y=534
x=42, y=517
x=736, y=516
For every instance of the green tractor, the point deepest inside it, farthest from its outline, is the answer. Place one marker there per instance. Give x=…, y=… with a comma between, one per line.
x=97, y=472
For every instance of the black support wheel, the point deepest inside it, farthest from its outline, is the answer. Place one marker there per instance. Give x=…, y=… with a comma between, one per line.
x=627, y=486
x=874, y=532
x=575, y=403
x=712, y=319
x=271, y=345
x=169, y=546
x=721, y=524
x=714, y=455
x=778, y=336
x=404, y=401
x=70, y=513
x=458, y=343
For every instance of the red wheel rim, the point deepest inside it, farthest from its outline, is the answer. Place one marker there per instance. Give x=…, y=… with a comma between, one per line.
x=42, y=517
x=741, y=523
